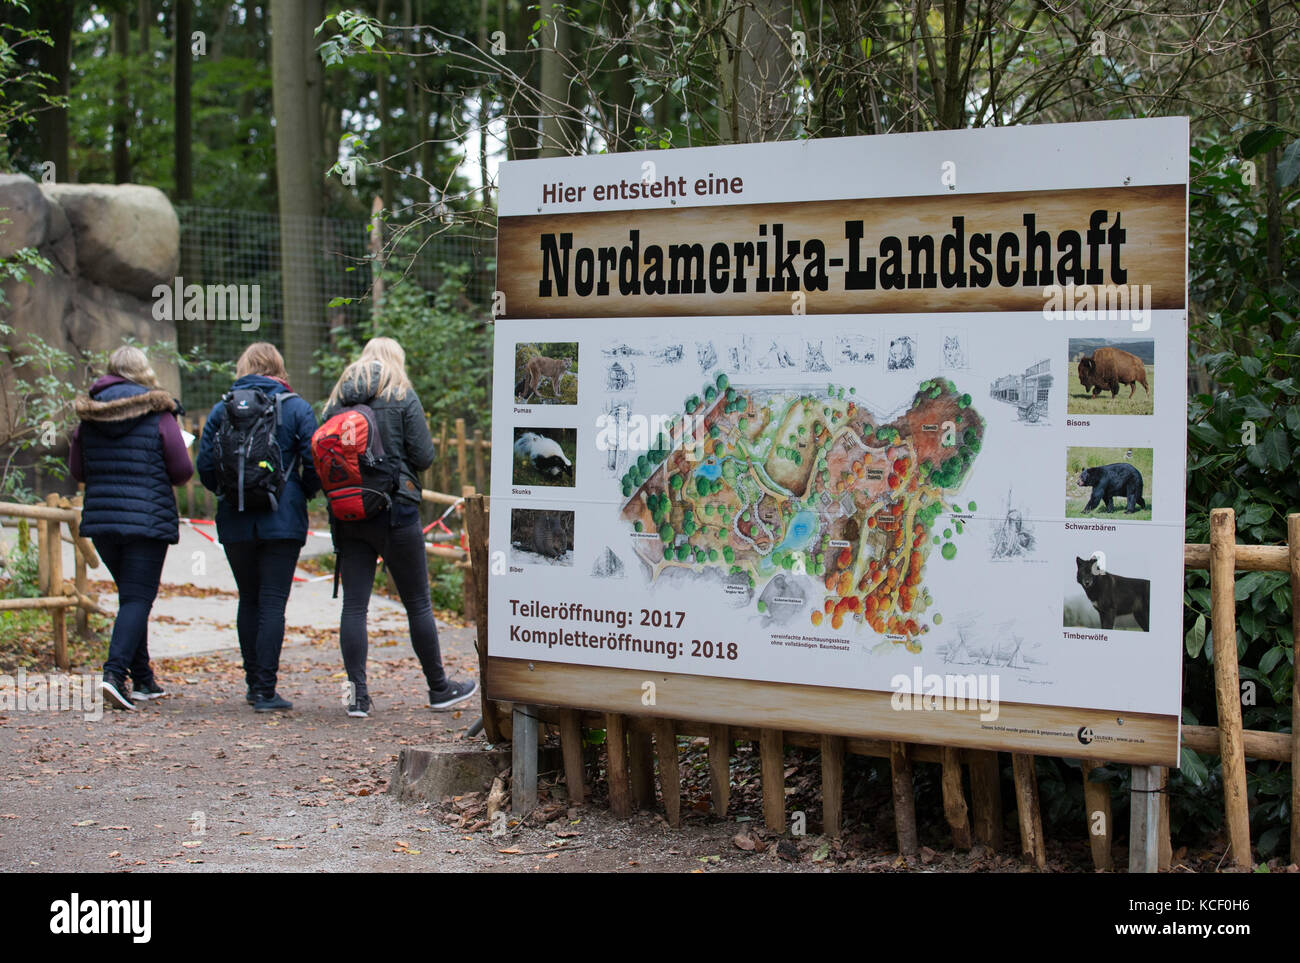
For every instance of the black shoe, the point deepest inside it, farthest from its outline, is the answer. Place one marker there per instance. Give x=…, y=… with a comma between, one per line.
x=250, y=697
x=143, y=692
x=115, y=692
x=272, y=702
x=360, y=705
x=451, y=693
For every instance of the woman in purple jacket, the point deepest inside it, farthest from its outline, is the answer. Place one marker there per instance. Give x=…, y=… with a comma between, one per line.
x=129, y=451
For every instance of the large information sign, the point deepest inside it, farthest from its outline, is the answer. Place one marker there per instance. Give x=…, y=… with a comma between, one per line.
x=874, y=436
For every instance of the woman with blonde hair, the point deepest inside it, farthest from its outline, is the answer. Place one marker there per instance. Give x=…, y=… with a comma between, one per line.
x=256, y=455
x=129, y=451
x=378, y=380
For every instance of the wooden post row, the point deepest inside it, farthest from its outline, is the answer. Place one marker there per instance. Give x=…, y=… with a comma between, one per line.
x=1227, y=690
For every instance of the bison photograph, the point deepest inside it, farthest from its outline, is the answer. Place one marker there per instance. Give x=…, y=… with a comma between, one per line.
x=1101, y=369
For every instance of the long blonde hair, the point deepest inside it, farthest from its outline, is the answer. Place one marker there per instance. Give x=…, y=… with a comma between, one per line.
x=380, y=372
x=131, y=363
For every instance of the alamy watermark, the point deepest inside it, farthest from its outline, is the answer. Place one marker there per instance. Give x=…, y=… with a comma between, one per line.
x=933, y=692
x=58, y=692
x=209, y=302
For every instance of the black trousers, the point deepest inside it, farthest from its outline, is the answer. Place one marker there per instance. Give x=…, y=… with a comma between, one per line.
x=359, y=545
x=263, y=570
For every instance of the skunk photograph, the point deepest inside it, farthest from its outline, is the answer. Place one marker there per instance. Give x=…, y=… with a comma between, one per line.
x=544, y=459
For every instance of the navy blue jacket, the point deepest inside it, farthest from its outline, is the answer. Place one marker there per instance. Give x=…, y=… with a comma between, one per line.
x=128, y=450
x=289, y=520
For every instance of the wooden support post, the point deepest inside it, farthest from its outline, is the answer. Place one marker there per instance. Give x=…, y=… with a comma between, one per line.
x=1227, y=688
x=771, y=752
x=1144, y=820
x=1031, y=818
x=444, y=461
x=954, y=799
x=470, y=601
x=620, y=792
x=900, y=770
x=1166, y=856
x=58, y=617
x=461, y=473
x=670, y=773
x=640, y=754
x=43, y=542
x=476, y=533
x=986, y=798
x=1096, y=806
x=571, y=749
x=1293, y=553
x=523, y=761
x=832, y=785
x=480, y=482
x=79, y=572
x=720, y=768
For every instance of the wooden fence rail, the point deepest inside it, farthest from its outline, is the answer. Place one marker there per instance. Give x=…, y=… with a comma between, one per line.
x=980, y=821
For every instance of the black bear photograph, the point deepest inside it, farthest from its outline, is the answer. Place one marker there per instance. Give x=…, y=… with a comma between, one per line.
x=1107, y=600
x=1108, y=480
x=544, y=456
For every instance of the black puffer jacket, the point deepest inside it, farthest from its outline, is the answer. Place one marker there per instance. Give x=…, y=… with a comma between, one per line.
x=402, y=429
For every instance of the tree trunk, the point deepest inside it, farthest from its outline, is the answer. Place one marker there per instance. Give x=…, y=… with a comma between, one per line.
x=622, y=121
x=756, y=75
x=145, y=18
x=121, y=47
x=299, y=191
x=182, y=77
x=484, y=100
x=55, y=60
x=1272, y=197
x=386, y=180
x=555, y=46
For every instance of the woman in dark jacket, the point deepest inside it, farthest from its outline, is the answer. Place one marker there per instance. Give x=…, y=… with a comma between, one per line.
x=262, y=546
x=129, y=452
x=378, y=380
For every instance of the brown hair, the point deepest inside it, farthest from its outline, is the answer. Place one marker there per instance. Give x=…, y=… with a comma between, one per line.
x=261, y=358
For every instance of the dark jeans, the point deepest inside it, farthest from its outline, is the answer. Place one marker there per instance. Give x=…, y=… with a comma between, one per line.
x=263, y=570
x=358, y=544
x=136, y=566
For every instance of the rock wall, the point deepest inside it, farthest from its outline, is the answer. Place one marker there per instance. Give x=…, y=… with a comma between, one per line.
x=109, y=245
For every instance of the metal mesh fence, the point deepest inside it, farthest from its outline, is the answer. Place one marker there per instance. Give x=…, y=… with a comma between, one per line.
x=239, y=253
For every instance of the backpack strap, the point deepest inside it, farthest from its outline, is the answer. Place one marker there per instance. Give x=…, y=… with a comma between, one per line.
x=280, y=399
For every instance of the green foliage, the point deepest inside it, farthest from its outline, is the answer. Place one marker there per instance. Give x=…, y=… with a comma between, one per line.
x=448, y=348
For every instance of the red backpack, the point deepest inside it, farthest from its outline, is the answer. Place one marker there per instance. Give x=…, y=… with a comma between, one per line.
x=356, y=475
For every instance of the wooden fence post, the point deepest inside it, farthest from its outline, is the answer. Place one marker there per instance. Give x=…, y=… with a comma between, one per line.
x=771, y=755
x=620, y=793
x=1227, y=688
x=480, y=482
x=1096, y=805
x=986, y=798
x=954, y=799
x=523, y=760
x=670, y=774
x=1031, y=818
x=1144, y=821
x=720, y=768
x=461, y=472
x=476, y=533
x=571, y=750
x=444, y=460
x=58, y=617
x=641, y=762
x=79, y=571
x=1293, y=556
x=832, y=785
x=900, y=771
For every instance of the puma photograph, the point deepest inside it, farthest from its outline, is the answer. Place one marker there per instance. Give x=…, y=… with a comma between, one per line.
x=1100, y=596
x=1110, y=482
x=546, y=373
x=545, y=456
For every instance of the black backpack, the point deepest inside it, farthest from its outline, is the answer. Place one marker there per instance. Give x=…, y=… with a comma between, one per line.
x=251, y=467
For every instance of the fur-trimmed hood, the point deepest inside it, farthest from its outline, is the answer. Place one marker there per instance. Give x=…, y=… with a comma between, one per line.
x=121, y=409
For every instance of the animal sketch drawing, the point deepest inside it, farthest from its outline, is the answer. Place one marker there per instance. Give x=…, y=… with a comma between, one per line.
x=954, y=352
x=902, y=353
